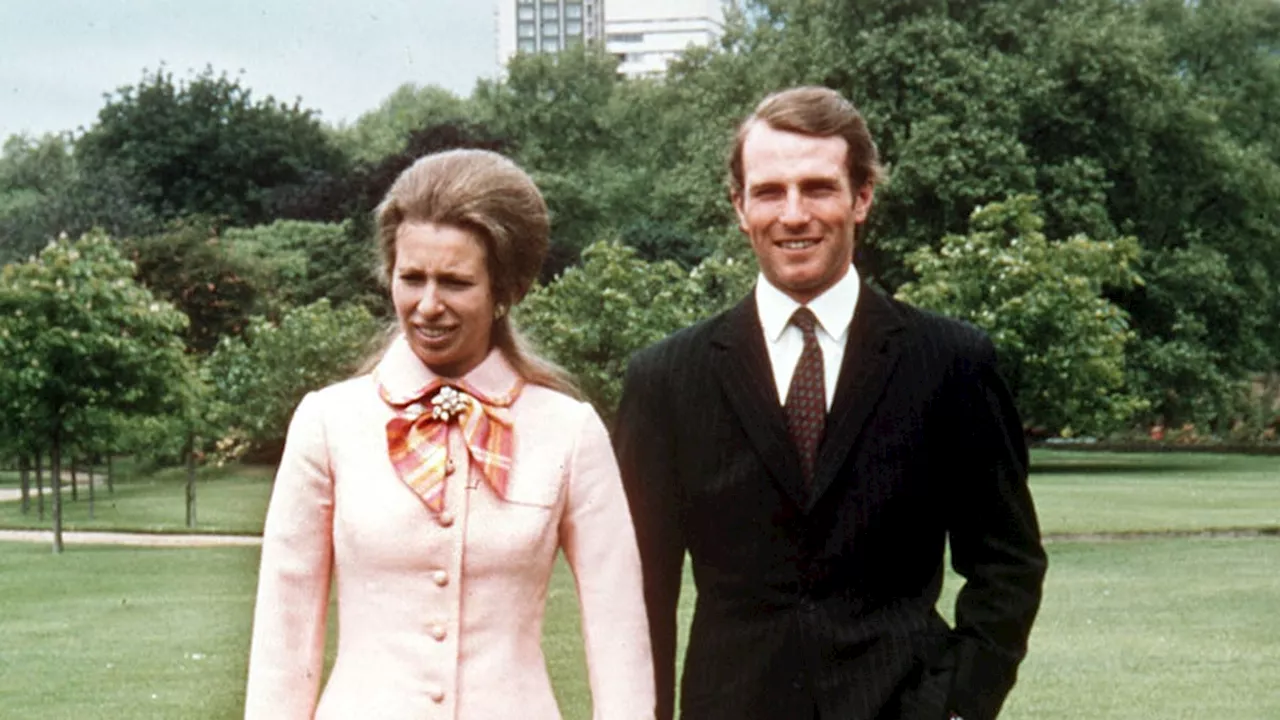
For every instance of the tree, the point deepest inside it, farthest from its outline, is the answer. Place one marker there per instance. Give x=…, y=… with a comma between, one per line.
x=1062, y=344
x=303, y=262
x=1144, y=119
x=591, y=318
x=44, y=195
x=82, y=341
x=191, y=266
x=204, y=146
x=259, y=379
x=385, y=130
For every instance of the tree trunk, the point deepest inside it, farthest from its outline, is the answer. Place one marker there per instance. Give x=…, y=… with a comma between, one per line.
x=40, y=483
x=90, y=481
x=75, y=487
x=24, y=467
x=55, y=461
x=191, y=481
x=111, y=484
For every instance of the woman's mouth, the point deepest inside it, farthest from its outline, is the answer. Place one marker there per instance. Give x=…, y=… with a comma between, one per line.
x=435, y=335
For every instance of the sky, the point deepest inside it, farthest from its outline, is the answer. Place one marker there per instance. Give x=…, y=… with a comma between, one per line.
x=340, y=57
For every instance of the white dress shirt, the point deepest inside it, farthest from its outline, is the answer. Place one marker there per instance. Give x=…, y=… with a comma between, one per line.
x=785, y=342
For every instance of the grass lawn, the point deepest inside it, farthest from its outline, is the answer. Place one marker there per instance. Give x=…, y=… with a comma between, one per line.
x=1167, y=628
x=231, y=499
x=1076, y=492
x=1173, y=627
x=1084, y=492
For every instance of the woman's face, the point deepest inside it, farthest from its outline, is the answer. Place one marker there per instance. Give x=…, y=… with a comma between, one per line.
x=443, y=296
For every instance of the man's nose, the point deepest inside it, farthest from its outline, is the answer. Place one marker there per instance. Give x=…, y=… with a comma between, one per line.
x=794, y=212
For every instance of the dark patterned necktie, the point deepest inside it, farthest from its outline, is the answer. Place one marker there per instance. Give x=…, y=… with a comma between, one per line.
x=806, y=403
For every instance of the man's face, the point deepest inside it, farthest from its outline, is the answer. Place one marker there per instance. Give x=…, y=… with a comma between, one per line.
x=798, y=208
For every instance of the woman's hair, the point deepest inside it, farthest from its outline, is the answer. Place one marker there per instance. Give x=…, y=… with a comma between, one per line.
x=487, y=194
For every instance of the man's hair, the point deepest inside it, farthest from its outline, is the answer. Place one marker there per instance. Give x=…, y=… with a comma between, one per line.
x=817, y=112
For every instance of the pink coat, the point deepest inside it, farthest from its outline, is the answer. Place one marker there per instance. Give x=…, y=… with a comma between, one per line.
x=441, y=616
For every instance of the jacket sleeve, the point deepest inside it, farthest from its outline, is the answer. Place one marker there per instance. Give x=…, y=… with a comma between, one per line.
x=995, y=542
x=599, y=543
x=287, y=654
x=647, y=456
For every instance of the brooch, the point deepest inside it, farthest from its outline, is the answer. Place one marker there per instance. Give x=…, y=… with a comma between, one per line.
x=449, y=403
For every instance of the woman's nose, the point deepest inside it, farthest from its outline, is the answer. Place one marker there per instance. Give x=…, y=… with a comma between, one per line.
x=430, y=303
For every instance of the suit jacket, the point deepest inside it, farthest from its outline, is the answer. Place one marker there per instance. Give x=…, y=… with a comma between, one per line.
x=819, y=602
x=440, y=616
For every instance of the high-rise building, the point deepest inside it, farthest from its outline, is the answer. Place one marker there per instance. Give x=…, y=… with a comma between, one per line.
x=645, y=35
x=547, y=25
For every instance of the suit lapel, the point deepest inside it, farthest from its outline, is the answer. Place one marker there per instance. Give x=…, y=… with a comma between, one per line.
x=747, y=380
x=870, y=355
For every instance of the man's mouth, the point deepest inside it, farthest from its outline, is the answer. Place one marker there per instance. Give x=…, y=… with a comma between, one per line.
x=797, y=244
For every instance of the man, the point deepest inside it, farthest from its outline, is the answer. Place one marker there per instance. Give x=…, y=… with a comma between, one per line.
x=813, y=464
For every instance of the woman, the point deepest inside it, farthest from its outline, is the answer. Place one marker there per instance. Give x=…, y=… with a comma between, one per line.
x=438, y=488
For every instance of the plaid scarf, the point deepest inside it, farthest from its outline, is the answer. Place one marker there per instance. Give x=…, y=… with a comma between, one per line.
x=418, y=437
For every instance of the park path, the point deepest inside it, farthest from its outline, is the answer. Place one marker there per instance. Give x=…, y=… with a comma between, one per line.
x=83, y=537
x=7, y=494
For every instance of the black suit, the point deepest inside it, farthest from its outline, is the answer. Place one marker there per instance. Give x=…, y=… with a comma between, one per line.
x=819, y=602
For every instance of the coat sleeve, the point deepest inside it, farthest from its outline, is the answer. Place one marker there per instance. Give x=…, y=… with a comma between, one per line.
x=599, y=543
x=287, y=654
x=647, y=456
x=995, y=542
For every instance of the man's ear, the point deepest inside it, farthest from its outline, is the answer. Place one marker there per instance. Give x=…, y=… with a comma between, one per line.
x=740, y=209
x=862, y=200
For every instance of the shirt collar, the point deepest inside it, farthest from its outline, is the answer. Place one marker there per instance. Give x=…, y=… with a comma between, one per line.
x=833, y=308
x=405, y=376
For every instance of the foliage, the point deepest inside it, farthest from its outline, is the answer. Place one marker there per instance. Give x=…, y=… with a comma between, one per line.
x=1151, y=120
x=1143, y=119
x=85, y=347
x=1060, y=340
x=308, y=261
x=352, y=195
x=385, y=130
x=591, y=318
x=204, y=146
x=191, y=266
x=43, y=195
x=259, y=379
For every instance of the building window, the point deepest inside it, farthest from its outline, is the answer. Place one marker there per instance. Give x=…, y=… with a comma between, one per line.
x=527, y=30
x=550, y=44
x=551, y=28
x=550, y=12
x=573, y=12
x=526, y=13
x=528, y=45
x=526, y=2
x=573, y=27
x=626, y=37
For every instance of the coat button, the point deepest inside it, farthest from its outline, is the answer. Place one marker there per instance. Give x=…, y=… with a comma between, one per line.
x=445, y=518
x=449, y=467
x=439, y=632
x=436, y=693
x=440, y=577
